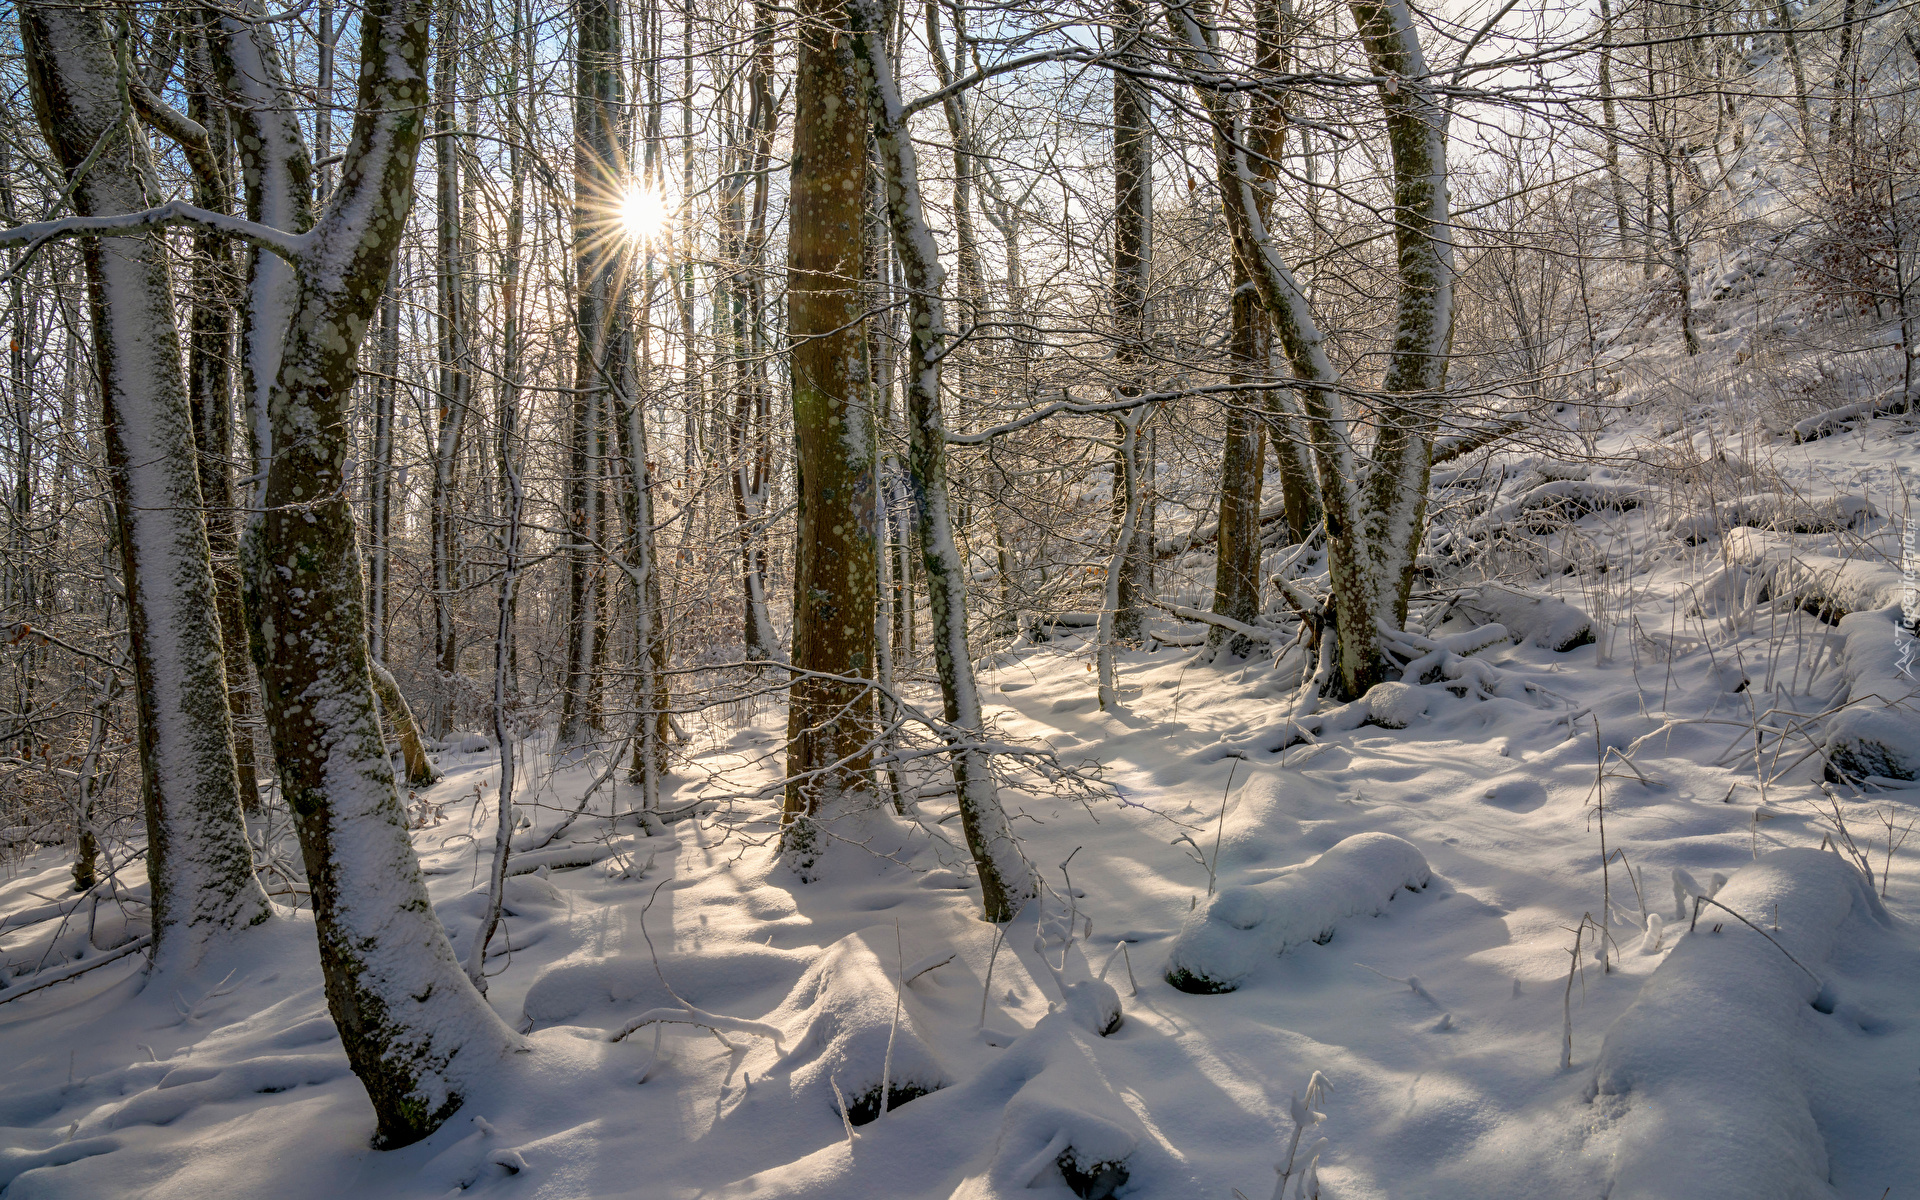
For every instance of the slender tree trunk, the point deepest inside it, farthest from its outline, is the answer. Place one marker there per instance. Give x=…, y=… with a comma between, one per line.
x=829, y=722
x=386, y=389
x=413, y=748
x=1132, y=269
x=1374, y=522
x=198, y=859
x=749, y=433
x=1005, y=878
x=1236, y=583
x=455, y=378
x=215, y=289
x=600, y=101
x=1616, y=182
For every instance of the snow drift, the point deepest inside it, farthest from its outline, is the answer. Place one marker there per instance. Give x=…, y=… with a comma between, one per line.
x=1702, y=1083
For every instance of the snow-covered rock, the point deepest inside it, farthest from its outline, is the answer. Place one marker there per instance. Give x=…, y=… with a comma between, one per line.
x=1221, y=944
x=1777, y=511
x=1768, y=566
x=851, y=1030
x=1878, y=733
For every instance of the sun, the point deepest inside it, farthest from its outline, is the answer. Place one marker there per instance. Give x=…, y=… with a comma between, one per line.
x=643, y=214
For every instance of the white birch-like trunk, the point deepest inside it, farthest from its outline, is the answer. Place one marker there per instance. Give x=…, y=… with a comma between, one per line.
x=198, y=859
x=1005, y=878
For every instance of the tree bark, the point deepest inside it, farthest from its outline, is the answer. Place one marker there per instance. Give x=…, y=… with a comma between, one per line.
x=415, y=1030
x=1132, y=271
x=455, y=379
x=829, y=722
x=1236, y=580
x=198, y=859
x=1005, y=879
x=1374, y=521
x=600, y=99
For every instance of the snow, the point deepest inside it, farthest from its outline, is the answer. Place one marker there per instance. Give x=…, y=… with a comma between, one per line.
x=1690, y=1107
x=1442, y=1046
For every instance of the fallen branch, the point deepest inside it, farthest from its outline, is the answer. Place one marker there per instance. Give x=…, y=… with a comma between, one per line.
x=47, y=979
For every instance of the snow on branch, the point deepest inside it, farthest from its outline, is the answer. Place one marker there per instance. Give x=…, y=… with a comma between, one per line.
x=292, y=247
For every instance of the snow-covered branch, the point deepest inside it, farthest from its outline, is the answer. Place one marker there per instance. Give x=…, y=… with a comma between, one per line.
x=291, y=247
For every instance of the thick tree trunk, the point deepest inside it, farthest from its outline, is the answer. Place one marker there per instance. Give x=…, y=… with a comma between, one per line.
x=415, y=1030
x=1005, y=879
x=829, y=722
x=198, y=859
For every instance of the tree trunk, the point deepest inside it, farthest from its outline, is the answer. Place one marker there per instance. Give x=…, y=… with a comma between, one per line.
x=1374, y=522
x=455, y=379
x=600, y=100
x=386, y=389
x=413, y=750
x=829, y=726
x=1236, y=579
x=1005, y=879
x=415, y=1030
x=1132, y=269
x=215, y=288
x=749, y=436
x=198, y=858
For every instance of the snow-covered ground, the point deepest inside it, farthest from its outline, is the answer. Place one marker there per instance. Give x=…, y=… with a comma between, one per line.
x=1706, y=1060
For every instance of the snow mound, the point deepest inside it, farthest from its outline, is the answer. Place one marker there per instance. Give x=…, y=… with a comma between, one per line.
x=1065, y=1124
x=1220, y=945
x=1878, y=733
x=846, y=1010
x=616, y=988
x=1702, y=1085
x=1530, y=618
x=1395, y=705
x=1546, y=507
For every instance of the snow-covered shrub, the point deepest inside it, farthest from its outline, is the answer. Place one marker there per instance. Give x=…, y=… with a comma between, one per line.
x=1221, y=944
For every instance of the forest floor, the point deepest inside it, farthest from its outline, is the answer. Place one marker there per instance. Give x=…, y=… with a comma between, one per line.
x=1438, y=1024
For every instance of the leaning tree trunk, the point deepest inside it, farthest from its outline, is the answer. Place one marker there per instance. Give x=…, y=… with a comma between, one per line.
x=198, y=860
x=413, y=748
x=1374, y=523
x=415, y=1030
x=829, y=722
x=1005, y=879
